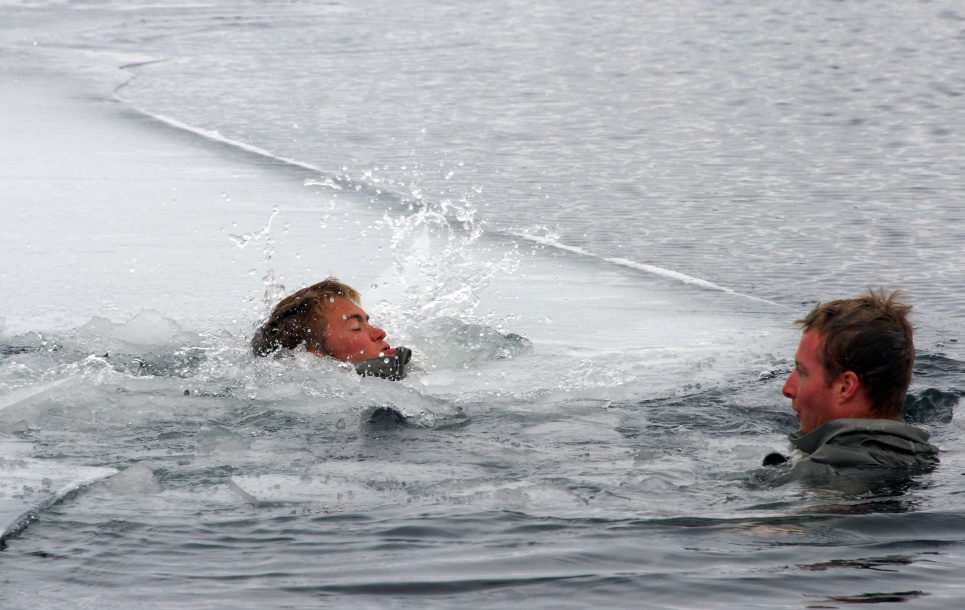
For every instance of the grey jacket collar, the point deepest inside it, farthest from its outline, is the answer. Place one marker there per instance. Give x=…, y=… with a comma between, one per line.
x=828, y=431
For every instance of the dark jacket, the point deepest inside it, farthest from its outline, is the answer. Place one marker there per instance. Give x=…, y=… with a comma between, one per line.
x=862, y=443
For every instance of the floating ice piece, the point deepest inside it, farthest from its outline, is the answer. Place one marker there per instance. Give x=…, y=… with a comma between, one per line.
x=29, y=395
x=19, y=409
x=147, y=327
x=136, y=480
x=334, y=496
x=364, y=485
x=28, y=486
x=348, y=486
x=216, y=439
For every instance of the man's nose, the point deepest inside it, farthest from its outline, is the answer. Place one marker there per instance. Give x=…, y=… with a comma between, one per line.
x=377, y=334
x=790, y=386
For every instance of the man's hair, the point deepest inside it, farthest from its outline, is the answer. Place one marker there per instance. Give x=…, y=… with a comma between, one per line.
x=290, y=322
x=871, y=336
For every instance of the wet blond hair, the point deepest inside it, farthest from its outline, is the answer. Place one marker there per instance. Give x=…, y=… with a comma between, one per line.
x=290, y=322
x=871, y=336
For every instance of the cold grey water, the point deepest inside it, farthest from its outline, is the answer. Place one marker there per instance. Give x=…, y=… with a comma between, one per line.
x=648, y=192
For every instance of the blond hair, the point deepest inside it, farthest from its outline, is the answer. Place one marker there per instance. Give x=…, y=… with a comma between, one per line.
x=290, y=322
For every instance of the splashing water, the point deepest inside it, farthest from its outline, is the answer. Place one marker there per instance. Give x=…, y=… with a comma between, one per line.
x=436, y=265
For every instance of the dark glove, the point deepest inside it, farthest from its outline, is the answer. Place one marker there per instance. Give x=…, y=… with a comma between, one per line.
x=387, y=367
x=774, y=459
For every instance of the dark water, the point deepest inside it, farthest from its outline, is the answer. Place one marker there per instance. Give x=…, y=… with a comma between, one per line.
x=793, y=154
x=541, y=500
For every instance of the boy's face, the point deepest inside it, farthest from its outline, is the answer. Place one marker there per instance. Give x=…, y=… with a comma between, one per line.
x=348, y=334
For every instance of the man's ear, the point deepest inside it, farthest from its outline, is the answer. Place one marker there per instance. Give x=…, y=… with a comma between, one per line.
x=848, y=386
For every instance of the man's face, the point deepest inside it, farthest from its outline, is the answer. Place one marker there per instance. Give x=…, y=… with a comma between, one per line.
x=348, y=334
x=812, y=394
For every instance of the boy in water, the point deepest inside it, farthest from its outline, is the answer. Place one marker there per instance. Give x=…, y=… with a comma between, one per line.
x=327, y=320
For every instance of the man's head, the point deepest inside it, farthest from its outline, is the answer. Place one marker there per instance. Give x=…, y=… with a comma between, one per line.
x=855, y=360
x=327, y=319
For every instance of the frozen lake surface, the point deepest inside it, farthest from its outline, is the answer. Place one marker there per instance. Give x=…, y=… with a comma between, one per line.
x=650, y=195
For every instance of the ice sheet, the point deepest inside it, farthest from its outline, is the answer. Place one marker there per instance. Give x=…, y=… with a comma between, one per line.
x=105, y=213
x=114, y=213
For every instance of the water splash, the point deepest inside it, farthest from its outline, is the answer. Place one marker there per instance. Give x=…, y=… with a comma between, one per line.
x=440, y=262
x=243, y=240
x=273, y=291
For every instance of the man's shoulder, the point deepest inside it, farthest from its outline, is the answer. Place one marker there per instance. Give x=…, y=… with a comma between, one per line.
x=864, y=443
x=845, y=429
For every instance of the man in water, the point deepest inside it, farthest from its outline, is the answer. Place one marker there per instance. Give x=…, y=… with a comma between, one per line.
x=851, y=373
x=327, y=320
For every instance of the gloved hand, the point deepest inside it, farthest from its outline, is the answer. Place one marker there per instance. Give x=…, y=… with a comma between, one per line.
x=387, y=367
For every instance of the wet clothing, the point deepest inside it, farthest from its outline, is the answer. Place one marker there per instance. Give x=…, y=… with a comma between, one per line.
x=387, y=367
x=860, y=443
